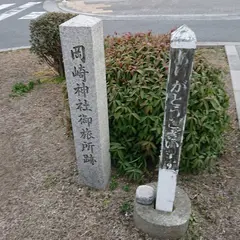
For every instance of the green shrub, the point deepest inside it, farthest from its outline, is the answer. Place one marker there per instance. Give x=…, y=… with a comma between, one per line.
x=136, y=71
x=45, y=39
x=136, y=68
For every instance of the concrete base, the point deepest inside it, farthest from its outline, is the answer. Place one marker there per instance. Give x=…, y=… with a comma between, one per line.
x=164, y=225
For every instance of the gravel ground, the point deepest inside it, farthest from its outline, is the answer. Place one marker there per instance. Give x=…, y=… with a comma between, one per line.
x=39, y=194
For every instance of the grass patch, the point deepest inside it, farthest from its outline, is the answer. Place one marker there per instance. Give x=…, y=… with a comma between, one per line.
x=193, y=231
x=20, y=88
x=113, y=184
x=126, y=188
x=55, y=79
x=50, y=181
x=59, y=79
x=126, y=207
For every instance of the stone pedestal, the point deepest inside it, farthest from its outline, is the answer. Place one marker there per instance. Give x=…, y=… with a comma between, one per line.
x=164, y=225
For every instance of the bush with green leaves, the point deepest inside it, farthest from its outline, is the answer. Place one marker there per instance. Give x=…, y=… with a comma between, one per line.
x=136, y=71
x=137, y=68
x=45, y=39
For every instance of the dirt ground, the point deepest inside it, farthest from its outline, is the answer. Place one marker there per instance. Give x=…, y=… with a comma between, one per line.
x=39, y=194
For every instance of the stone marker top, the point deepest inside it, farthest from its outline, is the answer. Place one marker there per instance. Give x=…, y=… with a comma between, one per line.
x=183, y=37
x=81, y=20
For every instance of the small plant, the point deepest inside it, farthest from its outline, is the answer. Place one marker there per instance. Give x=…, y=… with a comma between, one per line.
x=20, y=88
x=126, y=188
x=126, y=207
x=113, y=184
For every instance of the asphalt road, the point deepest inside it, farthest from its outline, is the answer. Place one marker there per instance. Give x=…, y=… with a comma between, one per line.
x=206, y=31
x=167, y=7
x=14, y=31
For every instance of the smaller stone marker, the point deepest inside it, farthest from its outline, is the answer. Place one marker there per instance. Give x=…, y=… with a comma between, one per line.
x=145, y=195
x=183, y=45
x=83, y=55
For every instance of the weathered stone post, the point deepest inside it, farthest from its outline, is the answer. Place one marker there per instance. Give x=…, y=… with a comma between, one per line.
x=84, y=62
x=183, y=45
x=159, y=219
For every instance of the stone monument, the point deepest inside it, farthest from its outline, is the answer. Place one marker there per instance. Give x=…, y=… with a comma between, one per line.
x=84, y=62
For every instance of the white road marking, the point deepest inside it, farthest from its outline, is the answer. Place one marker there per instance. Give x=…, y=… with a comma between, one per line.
x=17, y=10
x=32, y=15
x=3, y=6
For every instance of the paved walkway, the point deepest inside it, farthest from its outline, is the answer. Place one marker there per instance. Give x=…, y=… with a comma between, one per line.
x=233, y=55
x=167, y=8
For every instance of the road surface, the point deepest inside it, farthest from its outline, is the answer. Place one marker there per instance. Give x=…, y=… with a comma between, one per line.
x=14, y=21
x=15, y=17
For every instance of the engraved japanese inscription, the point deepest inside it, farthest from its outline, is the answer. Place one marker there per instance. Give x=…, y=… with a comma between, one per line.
x=176, y=107
x=83, y=106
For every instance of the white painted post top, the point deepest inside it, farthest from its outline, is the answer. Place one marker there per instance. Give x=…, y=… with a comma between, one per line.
x=183, y=37
x=81, y=21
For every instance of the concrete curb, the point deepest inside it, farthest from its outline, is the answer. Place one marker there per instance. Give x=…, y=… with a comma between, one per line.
x=199, y=44
x=217, y=44
x=51, y=6
x=14, y=49
x=234, y=65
